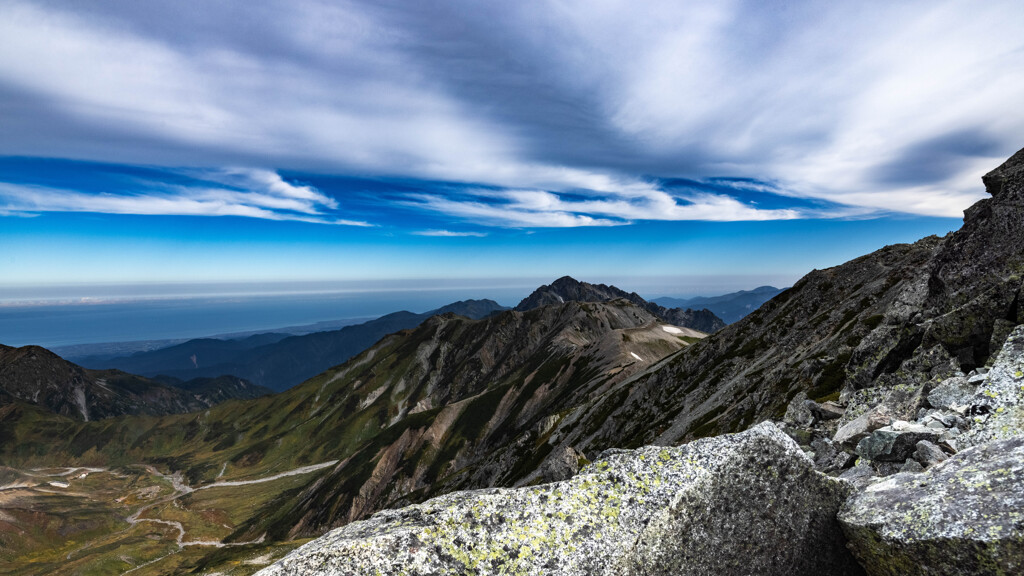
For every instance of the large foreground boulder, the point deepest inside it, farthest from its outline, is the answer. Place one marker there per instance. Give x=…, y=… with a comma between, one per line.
x=964, y=516
x=747, y=503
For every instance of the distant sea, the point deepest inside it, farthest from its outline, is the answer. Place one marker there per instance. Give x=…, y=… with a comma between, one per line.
x=50, y=325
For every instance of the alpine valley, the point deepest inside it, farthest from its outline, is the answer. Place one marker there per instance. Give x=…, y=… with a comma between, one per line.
x=868, y=419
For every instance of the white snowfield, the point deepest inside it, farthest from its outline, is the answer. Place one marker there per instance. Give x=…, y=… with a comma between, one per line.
x=681, y=331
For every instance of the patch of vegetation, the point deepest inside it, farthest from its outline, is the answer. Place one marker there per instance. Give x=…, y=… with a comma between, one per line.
x=831, y=378
x=873, y=321
x=705, y=425
x=847, y=316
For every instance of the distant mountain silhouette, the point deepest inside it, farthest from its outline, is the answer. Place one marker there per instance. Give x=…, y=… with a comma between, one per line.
x=729, y=307
x=278, y=361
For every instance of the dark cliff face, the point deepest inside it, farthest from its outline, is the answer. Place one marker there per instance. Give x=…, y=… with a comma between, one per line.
x=974, y=284
x=568, y=289
x=897, y=316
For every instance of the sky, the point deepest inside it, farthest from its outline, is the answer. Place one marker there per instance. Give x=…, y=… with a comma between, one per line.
x=674, y=148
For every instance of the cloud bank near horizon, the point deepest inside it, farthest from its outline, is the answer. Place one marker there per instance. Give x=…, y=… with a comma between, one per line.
x=548, y=114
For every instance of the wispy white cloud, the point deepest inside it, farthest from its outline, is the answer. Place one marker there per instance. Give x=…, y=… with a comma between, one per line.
x=249, y=193
x=449, y=234
x=878, y=106
x=618, y=206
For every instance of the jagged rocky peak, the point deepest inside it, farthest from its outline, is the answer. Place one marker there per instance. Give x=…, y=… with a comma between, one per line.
x=568, y=289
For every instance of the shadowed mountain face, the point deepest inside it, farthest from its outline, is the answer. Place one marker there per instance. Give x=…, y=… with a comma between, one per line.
x=567, y=289
x=284, y=361
x=34, y=375
x=728, y=307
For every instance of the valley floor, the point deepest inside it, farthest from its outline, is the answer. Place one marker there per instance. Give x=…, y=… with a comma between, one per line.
x=134, y=520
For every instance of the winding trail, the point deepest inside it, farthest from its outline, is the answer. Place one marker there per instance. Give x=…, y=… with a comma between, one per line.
x=181, y=489
x=295, y=472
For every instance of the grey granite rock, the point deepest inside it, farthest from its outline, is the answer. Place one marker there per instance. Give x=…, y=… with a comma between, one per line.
x=896, y=442
x=928, y=454
x=736, y=504
x=829, y=456
x=862, y=426
x=799, y=413
x=826, y=410
x=964, y=516
x=861, y=475
x=911, y=465
x=954, y=391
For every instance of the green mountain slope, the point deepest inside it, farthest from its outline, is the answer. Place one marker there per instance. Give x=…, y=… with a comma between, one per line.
x=459, y=402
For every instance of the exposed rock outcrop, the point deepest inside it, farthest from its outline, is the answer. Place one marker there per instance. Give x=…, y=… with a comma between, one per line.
x=996, y=411
x=739, y=504
x=964, y=516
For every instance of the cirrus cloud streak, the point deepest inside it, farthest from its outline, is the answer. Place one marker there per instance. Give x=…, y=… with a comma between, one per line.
x=233, y=192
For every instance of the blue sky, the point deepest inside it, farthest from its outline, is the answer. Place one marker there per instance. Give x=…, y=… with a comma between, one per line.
x=672, y=148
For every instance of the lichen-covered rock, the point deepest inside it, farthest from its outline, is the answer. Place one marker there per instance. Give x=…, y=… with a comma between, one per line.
x=738, y=504
x=964, y=516
x=896, y=442
x=798, y=413
x=997, y=408
x=952, y=392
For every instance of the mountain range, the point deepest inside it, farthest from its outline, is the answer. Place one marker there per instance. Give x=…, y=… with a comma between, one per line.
x=531, y=395
x=280, y=361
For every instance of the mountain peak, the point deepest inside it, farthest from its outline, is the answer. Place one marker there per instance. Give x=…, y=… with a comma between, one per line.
x=566, y=281
x=568, y=289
